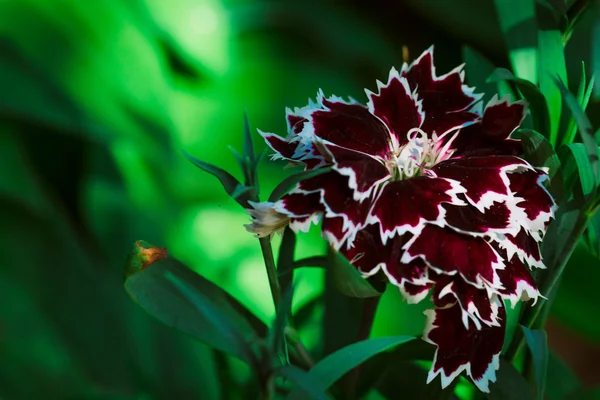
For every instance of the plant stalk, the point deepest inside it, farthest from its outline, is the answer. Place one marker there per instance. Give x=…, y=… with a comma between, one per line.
x=267, y=252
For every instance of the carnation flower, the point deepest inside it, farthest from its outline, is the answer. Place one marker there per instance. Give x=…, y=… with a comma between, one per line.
x=425, y=187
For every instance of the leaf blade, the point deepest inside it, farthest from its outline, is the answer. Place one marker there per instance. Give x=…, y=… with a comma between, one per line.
x=537, y=341
x=337, y=364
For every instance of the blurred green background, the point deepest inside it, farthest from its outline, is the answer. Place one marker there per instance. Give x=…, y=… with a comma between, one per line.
x=98, y=98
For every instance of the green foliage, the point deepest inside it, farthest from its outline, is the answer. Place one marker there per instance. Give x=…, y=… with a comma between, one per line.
x=180, y=298
x=336, y=365
x=537, y=340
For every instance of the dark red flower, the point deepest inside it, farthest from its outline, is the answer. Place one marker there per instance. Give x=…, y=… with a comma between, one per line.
x=426, y=187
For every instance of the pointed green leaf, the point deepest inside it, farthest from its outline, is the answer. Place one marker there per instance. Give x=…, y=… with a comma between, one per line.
x=307, y=384
x=291, y=181
x=518, y=22
x=154, y=281
x=537, y=101
x=581, y=92
x=336, y=365
x=510, y=384
x=224, y=326
x=348, y=280
x=232, y=186
x=593, y=234
x=576, y=154
x=552, y=64
x=585, y=127
x=537, y=341
x=247, y=147
x=539, y=151
x=285, y=259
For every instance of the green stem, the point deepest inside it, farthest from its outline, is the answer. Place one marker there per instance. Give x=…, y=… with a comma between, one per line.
x=529, y=318
x=267, y=252
x=290, y=332
x=364, y=331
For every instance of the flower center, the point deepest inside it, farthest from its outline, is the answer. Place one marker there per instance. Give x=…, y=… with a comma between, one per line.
x=419, y=155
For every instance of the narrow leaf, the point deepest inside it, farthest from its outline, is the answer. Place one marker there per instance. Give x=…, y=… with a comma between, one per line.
x=247, y=146
x=348, y=280
x=537, y=101
x=231, y=185
x=290, y=182
x=518, y=22
x=147, y=284
x=538, y=345
x=552, y=64
x=539, y=151
x=581, y=92
x=576, y=153
x=306, y=383
x=285, y=259
x=585, y=127
x=336, y=365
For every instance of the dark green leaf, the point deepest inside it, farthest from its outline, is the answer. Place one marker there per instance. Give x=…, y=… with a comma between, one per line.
x=385, y=368
x=307, y=384
x=347, y=279
x=537, y=341
x=176, y=304
x=552, y=64
x=225, y=327
x=585, y=128
x=285, y=260
x=288, y=183
x=518, y=22
x=593, y=234
x=510, y=384
x=336, y=365
x=577, y=153
x=539, y=151
x=247, y=147
x=537, y=101
x=242, y=194
x=581, y=92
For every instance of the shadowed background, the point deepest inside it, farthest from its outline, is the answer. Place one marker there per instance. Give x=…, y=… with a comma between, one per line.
x=98, y=100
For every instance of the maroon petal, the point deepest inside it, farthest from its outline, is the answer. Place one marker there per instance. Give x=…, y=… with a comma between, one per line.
x=337, y=200
x=404, y=206
x=524, y=245
x=303, y=209
x=470, y=220
x=450, y=252
x=476, y=351
x=491, y=135
x=395, y=105
x=347, y=125
x=484, y=178
x=446, y=99
x=537, y=202
x=517, y=282
x=475, y=303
